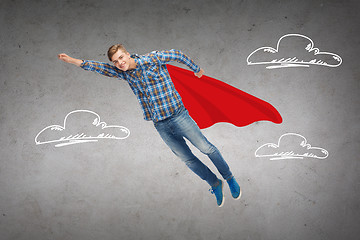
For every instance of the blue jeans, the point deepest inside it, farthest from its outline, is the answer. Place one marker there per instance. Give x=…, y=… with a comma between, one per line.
x=175, y=129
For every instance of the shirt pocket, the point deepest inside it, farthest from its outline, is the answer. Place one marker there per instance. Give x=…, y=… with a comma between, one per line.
x=153, y=72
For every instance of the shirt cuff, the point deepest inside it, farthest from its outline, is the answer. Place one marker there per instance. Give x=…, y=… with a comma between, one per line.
x=82, y=65
x=197, y=69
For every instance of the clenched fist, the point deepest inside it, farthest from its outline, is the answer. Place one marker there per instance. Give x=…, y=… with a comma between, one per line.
x=66, y=58
x=200, y=73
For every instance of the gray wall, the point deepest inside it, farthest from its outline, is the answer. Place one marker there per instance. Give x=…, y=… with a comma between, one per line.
x=136, y=188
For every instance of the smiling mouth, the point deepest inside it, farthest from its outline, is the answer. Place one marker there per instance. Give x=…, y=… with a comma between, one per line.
x=122, y=65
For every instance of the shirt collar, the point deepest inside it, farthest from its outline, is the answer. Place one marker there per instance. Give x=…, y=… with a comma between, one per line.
x=136, y=57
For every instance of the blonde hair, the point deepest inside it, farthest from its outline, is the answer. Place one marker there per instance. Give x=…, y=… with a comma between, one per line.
x=114, y=48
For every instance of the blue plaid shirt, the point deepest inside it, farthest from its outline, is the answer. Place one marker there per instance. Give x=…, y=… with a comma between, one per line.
x=150, y=81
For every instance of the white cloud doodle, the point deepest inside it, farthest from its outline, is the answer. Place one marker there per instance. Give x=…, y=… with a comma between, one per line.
x=290, y=146
x=293, y=50
x=80, y=126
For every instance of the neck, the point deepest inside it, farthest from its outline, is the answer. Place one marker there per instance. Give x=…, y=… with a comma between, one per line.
x=132, y=64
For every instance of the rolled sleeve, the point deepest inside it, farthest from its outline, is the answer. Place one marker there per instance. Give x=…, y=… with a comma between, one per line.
x=101, y=68
x=178, y=56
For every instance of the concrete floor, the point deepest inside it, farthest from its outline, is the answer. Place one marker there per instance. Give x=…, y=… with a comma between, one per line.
x=136, y=188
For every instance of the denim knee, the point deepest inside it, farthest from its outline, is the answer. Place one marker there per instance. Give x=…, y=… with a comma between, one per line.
x=189, y=162
x=210, y=149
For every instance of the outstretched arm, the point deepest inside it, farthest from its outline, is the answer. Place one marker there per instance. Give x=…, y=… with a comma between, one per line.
x=64, y=57
x=99, y=67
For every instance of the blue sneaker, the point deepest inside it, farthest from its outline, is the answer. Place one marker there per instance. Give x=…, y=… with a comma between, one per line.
x=234, y=188
x=218, y=191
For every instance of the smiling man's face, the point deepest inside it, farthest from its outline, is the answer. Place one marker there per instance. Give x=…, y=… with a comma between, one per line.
x=122, y=60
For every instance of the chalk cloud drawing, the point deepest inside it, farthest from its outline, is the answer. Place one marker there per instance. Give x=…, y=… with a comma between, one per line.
x=80, y=126
x=290, y=146
x=293, y=50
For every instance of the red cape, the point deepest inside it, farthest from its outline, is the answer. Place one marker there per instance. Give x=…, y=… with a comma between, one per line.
x=210, y=101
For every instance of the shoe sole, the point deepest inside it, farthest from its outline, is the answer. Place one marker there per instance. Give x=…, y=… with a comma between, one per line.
x=222, y=190
x=239, y=195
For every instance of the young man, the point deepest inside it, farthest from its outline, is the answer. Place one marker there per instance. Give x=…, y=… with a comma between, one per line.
x=150, y=81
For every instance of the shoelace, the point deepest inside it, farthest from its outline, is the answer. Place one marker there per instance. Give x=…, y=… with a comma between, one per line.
x=212, y=189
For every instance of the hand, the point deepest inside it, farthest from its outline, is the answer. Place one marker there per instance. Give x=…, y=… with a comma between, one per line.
x=64, y=57
x=200, y=73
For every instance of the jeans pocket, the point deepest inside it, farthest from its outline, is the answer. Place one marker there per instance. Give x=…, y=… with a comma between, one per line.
x=180, y=110
x=176, y=114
